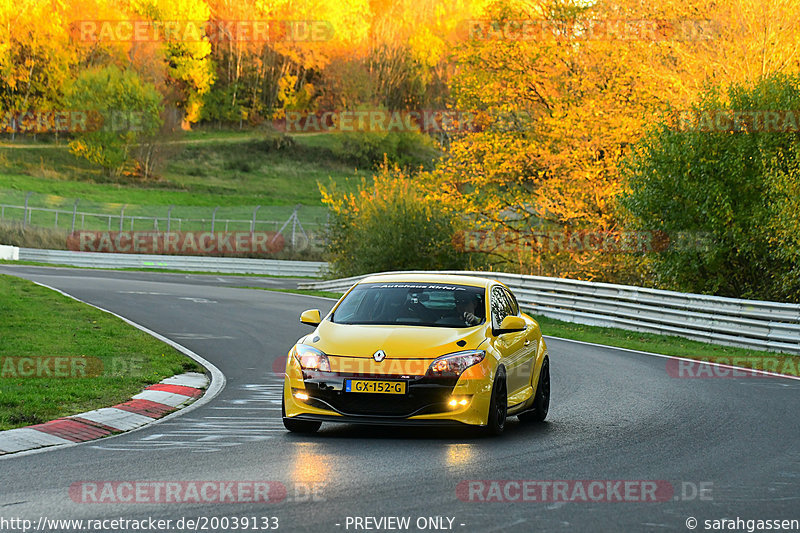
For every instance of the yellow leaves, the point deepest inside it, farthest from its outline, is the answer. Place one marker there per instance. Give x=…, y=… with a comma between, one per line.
x=389, y=186
x=427, y=48
x=588, y=102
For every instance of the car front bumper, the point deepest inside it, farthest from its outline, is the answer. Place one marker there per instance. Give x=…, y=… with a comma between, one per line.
x=426, y=401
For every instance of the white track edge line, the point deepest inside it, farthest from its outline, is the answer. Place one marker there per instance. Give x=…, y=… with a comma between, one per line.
x=275, y=289
x=215, y=387
x=679, y=358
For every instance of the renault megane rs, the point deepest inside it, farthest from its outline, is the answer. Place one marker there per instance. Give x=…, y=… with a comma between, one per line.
x=418, y=349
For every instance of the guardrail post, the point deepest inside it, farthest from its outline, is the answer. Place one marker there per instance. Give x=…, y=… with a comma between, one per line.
x=122, y=216
x=169, y=217
x=253, y=223
x=25, y=213
x=213, y=218
x=74, y=214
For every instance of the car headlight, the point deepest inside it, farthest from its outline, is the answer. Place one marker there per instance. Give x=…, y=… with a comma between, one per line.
x=454, y=364
x=311, y=359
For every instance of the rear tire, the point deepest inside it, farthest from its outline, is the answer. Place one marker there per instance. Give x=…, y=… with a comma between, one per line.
x=498, y=406
x=541, y=402
x=298, y=426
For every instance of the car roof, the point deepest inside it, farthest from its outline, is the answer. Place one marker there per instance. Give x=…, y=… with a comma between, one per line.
x=454, y=279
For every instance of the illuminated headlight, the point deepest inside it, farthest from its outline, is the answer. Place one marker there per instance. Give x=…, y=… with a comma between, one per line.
x=454, y=364
x=311, y=359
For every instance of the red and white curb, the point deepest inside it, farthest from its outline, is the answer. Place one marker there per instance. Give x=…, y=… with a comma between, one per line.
x=152, y=403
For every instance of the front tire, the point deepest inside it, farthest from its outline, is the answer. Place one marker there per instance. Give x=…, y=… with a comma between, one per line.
x=541, y=402
x=498, y=406
x=298, y=426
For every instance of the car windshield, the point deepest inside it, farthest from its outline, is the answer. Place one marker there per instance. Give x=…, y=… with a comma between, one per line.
x=413, y=304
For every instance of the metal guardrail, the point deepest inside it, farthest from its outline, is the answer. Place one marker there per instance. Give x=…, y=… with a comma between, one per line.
x=229, y=265
x=751, y=324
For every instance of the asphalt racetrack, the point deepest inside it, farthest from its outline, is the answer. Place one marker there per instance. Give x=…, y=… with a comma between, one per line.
x=716, y=448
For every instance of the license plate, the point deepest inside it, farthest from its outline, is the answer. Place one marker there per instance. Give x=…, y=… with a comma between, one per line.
x=375, y=387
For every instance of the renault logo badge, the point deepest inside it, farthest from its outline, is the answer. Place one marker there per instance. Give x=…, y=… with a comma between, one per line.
x=379, y=356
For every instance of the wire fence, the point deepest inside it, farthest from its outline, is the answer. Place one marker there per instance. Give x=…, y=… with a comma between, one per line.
x=301, y=226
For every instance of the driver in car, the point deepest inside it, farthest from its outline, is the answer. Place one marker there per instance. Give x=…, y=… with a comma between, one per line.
x=467, y=307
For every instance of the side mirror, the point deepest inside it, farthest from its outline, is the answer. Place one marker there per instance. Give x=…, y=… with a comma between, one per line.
x=311, y=317
x=511, y=324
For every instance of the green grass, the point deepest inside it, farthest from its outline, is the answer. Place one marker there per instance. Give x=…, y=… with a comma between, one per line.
x=207, y=134
x=232, y=171
x=39, y=323
x=204, y=170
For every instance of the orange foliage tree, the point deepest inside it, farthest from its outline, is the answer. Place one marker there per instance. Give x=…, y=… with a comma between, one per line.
x=582, y=81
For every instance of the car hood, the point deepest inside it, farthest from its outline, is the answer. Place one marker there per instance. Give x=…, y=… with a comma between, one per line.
x=398, y=342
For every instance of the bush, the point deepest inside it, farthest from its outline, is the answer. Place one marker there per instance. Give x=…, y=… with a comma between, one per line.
x=391, y=226
x=736, y=190
x=127, y=109
x=369, y=149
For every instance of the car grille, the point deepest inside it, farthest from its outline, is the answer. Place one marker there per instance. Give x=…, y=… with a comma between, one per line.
x=424, y=396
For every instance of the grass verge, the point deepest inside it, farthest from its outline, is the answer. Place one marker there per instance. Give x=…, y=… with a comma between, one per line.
x=60, y=357
x=13, y=234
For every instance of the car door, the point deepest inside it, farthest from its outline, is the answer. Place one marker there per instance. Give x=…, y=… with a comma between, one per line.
x=511, y=346
x=528, y=357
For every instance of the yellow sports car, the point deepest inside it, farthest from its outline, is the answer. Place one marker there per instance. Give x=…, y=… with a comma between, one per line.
x=418, y=349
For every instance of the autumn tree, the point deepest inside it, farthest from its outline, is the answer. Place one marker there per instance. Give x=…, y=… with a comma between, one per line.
x=186, y=72
x=556, y=112
x=35, y=58
x=579, y=83
x=728, y=184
